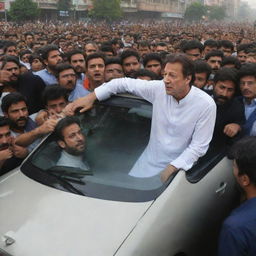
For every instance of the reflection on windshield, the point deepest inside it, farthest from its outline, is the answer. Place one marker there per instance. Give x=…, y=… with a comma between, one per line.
x=115, y=139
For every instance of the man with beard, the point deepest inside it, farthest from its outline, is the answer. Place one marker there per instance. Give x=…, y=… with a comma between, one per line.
x=238, y=233
x=230, y=111
x=214, y=59
x=11, y=155
x=29, y=85
x=51, y=57
x=72, y=142
x=67, y=78
x=76, y=59
x=130, y=62
x=95, y=67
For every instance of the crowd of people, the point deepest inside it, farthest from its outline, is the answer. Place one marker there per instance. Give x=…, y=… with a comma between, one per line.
x=197, y=76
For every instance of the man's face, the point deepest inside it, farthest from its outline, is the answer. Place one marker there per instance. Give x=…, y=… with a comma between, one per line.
x=193, y=54
x=248, y=87
x=113, y=71
x=214, y=62
x=67, y=79
x=14, y=69
x=53, y=59
x=56, y=106
x=29, y=39
x=18, y=115
x=160, y=48
x=175, y=83
x=251, y=57
x=78, y=62
x=5, y=137
x=223, y=91
x=200, y=80
x=226, y=51
x=242, y=56
x=208, y=49
x=89, y=49
x=73, y=140
x=25, y=58
x=12, y=51
x=130, y=66
x=37, y=65
x=143, y=50
x=95, y=69
x=154, y=66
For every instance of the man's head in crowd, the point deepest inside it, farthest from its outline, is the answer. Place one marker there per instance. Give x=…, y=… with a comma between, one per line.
x=107, y=50
x=36, y=62
x=15, y=109
x=113, y=69
x=10, y=48
x=144, y=48
x=193, y=49
x=55, y=98
x=145, y=74
x=247, y=79
x=69, y=136
x=251, y=55
x=66, y=76
x=11, y=64
x=130, y=62
x=226, y=47
x=202, y=73
x=90, y=48
x=178, y=75
x=225, y=85
x=5, y=133
x=153, y=62
x=214, y=59
x=51, y=57
x=95, y=67
x=231, y=62
x=244, y=154
x=76, y=59
x=24, y=56
x=29, y=39
x=241, y=53
x=210, y=45
x=161, y=47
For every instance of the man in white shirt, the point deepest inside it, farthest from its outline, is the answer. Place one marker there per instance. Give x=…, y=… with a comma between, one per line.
x=183, y=117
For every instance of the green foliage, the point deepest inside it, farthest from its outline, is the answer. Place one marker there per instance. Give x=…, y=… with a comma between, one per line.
x=64, y=5
x=195, y=12
x=107, y=9
x=23, y=10
x=216, y=12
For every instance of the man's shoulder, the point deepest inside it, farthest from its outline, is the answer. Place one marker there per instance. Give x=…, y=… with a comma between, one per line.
x=201, y=96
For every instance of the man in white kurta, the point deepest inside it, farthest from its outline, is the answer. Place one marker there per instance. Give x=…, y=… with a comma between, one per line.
x=183, y=119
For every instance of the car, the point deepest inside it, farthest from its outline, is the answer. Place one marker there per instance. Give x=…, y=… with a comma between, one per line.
x=62, y=211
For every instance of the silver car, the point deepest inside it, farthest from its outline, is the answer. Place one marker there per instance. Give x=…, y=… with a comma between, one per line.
x=63, y=211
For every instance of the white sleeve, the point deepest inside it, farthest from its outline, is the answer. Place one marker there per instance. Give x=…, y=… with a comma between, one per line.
x=138, y=87
x=201, y=139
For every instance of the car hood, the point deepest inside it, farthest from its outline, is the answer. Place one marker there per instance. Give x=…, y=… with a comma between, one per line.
x=45, y=221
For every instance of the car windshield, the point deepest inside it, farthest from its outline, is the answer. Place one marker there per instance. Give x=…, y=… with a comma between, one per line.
x=116, y=131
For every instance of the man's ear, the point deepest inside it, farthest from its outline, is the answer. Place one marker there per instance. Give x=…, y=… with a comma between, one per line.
x=188, y=78
x=244, y=180
x=5, y=114
x=61, y=143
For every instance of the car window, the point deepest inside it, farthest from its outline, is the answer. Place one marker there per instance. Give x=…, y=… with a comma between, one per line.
x=117, y=131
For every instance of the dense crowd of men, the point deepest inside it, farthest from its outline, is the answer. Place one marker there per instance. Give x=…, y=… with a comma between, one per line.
x=44, y=67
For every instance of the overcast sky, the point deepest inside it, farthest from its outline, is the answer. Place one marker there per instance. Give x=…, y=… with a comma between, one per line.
x=252, y=3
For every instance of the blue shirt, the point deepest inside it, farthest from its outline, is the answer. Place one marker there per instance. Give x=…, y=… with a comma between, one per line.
x=238, y=234
x=249, y=108
x=79, y=90
x=47, y=77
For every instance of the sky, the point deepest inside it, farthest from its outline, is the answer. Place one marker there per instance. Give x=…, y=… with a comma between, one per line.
x=252, y=3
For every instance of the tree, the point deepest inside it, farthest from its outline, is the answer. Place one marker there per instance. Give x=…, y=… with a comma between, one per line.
x=23, y=10
x=216, y=12
x=64, y=5
x=107, y=9
x=195, y=12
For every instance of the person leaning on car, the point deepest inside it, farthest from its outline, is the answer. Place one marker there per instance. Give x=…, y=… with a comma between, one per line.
x=238, y=233
x=182, y=122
